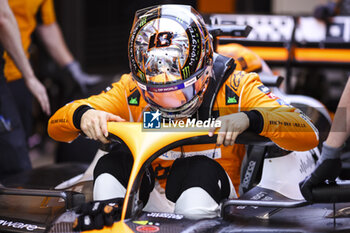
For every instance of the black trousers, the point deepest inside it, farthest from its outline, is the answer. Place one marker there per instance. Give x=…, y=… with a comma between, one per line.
x=23, y=100
x=195, y=171
x=13, y=146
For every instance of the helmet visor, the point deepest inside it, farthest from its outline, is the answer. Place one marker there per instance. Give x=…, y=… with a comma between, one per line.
x=173, y=96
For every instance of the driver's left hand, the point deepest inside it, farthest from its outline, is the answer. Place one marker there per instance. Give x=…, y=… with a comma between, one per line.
x=231, y=126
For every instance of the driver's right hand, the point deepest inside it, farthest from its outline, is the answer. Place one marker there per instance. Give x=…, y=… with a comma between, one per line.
x=94, y=124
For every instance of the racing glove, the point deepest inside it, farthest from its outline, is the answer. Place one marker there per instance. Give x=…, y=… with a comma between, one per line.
x=327, y=169
x=97, y=214
x=82, y=78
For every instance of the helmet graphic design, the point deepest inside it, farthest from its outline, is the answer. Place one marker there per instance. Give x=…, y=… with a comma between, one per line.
x=171, y=57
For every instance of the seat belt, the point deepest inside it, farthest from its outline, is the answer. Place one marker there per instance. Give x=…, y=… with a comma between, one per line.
x=223, y=67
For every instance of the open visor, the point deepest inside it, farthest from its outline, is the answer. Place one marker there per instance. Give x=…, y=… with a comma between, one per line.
x=171, y=97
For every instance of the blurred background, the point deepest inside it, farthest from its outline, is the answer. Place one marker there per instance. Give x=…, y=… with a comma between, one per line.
x=97, y=32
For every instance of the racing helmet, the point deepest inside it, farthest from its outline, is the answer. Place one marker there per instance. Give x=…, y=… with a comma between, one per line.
x=171, y=58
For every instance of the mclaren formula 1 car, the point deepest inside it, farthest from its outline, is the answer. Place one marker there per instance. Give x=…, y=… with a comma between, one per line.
x=29, y=203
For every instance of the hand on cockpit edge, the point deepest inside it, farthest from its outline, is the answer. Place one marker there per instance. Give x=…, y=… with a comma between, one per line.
x=231, y=126
x=94, y=124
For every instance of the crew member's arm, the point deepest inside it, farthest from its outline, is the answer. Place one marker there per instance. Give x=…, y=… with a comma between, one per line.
x=329, y=165
x=11, y=41
x=90, y=115
x=51, y=35
x=340, y=130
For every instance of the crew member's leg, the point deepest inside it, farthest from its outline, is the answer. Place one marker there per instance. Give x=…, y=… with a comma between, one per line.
x=23, y=100
x=197, y=185
x=111, y=176
x=13, y=147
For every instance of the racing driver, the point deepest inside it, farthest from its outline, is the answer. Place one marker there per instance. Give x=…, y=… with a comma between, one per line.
x=175, y=71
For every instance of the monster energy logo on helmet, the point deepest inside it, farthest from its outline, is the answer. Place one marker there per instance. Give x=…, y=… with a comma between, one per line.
x=186, y=72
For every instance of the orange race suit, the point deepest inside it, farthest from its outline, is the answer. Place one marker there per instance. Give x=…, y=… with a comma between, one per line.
x=269, y=116
x=28, y=14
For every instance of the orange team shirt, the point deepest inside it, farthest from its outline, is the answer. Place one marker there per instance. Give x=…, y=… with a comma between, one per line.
x=283, y=124
x=28, y=14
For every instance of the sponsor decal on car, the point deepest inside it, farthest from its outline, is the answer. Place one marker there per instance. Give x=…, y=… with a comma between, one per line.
x=146, y=222
x=165, y=215
x=263, y=196
x=147, y=228
x=306, y=164
x=18, y=225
